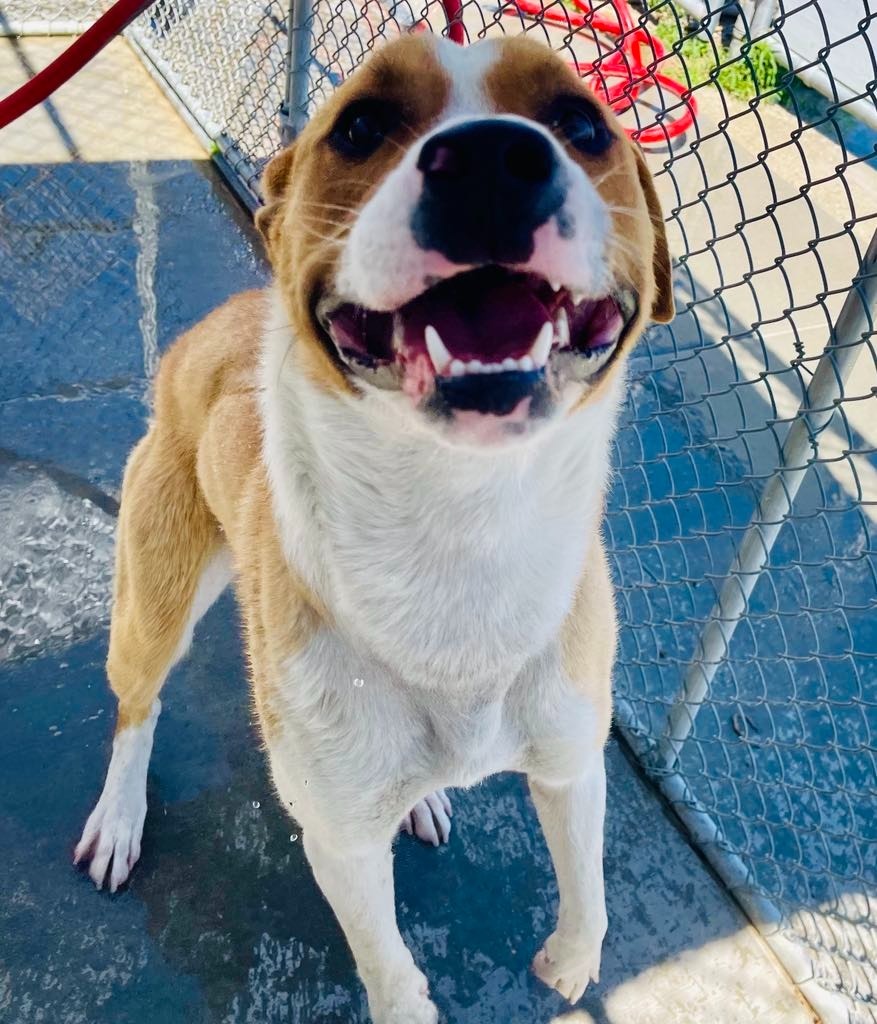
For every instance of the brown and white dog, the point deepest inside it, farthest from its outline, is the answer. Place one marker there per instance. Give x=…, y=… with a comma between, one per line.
x=400, y=454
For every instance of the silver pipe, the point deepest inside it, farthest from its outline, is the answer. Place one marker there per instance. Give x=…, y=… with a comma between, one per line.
x=816, y=77
x=42, y=27
x=826, y=389
x=752, y=23
x=793, y=957
x=298, y=74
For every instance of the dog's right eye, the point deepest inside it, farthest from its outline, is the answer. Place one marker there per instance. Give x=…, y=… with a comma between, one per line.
x=362, y=128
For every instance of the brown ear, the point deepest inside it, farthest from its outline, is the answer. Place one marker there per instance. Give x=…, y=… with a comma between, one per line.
x=663, y=308
x=275, y=183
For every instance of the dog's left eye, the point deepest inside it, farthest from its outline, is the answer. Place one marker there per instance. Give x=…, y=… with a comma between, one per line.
x=363, y=126
x=581, y=123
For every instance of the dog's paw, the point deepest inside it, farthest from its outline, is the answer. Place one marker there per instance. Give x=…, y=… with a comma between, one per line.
x=406, y=1002
x=111, y=839
x=413, y=1011
x=430, y=818
x=569, y=966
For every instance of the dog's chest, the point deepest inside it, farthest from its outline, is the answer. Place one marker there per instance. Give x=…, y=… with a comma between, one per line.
x=463, y=745
x=451, y=566
x=452, y=578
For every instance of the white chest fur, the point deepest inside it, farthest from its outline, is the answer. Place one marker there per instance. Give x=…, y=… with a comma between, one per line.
x=450, y=565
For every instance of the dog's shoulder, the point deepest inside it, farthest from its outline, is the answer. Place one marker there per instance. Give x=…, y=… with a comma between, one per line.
x=217, y=357
x=206, y=400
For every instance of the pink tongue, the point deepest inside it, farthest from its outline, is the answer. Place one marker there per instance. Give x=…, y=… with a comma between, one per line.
x=490, y=322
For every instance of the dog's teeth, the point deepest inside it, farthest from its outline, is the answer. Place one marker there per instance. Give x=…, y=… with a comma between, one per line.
x=561, y=326
x=474, y=366
x=509, y=364
x=438, y=353
x=458, y=368
x=542, y=345
x=398, y=333
x=555, y=286
x=526, y=363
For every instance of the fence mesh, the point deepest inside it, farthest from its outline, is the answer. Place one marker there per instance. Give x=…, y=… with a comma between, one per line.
x=770, y=195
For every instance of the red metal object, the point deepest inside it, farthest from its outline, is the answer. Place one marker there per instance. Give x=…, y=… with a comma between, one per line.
x=454, y=14
x=621, y=76
x=76, y=56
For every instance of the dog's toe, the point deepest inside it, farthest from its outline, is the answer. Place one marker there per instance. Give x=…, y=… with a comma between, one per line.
x=430, y=818
x=110, y=843
x=405, y=1001
x=568, y=968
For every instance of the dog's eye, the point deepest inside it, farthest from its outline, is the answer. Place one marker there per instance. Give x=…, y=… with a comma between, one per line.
x=362, y=127
x=580, y=122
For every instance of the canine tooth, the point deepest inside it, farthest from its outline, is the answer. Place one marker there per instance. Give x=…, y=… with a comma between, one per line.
x=555, y=286
x=561, y=326
x=475, y=366
x=542, y=345
x=458, y=368
x=438, y=352
x=509, y=364
x=526, y=363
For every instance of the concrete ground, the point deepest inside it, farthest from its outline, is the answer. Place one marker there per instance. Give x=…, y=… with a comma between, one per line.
x=115, y=234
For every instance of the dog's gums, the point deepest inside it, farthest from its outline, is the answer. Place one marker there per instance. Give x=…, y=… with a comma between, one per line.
x=482, y=340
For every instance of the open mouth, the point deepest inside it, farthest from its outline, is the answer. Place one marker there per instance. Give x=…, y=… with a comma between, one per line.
x=490, y=340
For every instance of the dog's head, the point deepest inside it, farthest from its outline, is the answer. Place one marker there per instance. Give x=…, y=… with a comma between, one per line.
x=468, y=235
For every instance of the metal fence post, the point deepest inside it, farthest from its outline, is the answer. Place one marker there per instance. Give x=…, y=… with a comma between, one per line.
x=855, y=322
x=752, y=22
x=294, y=112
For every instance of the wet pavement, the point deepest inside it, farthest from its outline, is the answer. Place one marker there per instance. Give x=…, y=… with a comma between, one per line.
x=104, y=262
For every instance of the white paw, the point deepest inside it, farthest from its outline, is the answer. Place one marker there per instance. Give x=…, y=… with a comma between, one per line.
x=430, y=819
x=568, y=966
x=111, y=839
x=406, y=1002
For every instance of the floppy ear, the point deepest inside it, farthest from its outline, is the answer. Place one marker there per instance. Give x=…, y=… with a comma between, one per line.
x=663, y=309
x=275, y=184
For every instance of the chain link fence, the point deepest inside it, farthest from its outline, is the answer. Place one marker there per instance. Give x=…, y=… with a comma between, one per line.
x=743, y=511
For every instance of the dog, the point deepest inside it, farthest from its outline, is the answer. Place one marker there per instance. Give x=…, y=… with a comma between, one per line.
x=399, y=453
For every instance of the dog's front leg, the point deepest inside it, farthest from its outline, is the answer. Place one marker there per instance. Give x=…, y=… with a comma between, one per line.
x=358, y=883
x=571, y=815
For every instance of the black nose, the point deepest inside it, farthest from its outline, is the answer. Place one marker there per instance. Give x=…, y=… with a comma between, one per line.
x=487, y=186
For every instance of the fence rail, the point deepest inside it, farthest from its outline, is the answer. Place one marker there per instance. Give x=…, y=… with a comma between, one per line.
x=741, y=523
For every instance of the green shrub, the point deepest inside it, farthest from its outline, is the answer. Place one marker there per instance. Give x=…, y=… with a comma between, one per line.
x=752, y=73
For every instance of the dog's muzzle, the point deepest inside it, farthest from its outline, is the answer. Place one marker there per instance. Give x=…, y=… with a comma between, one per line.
x=487, y=186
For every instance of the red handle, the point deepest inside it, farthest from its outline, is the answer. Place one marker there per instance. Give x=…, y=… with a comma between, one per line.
x=76, y=56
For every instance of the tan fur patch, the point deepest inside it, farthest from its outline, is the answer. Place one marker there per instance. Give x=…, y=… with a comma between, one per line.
x=524, y=81
x=314, y=194
x=196, y=481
